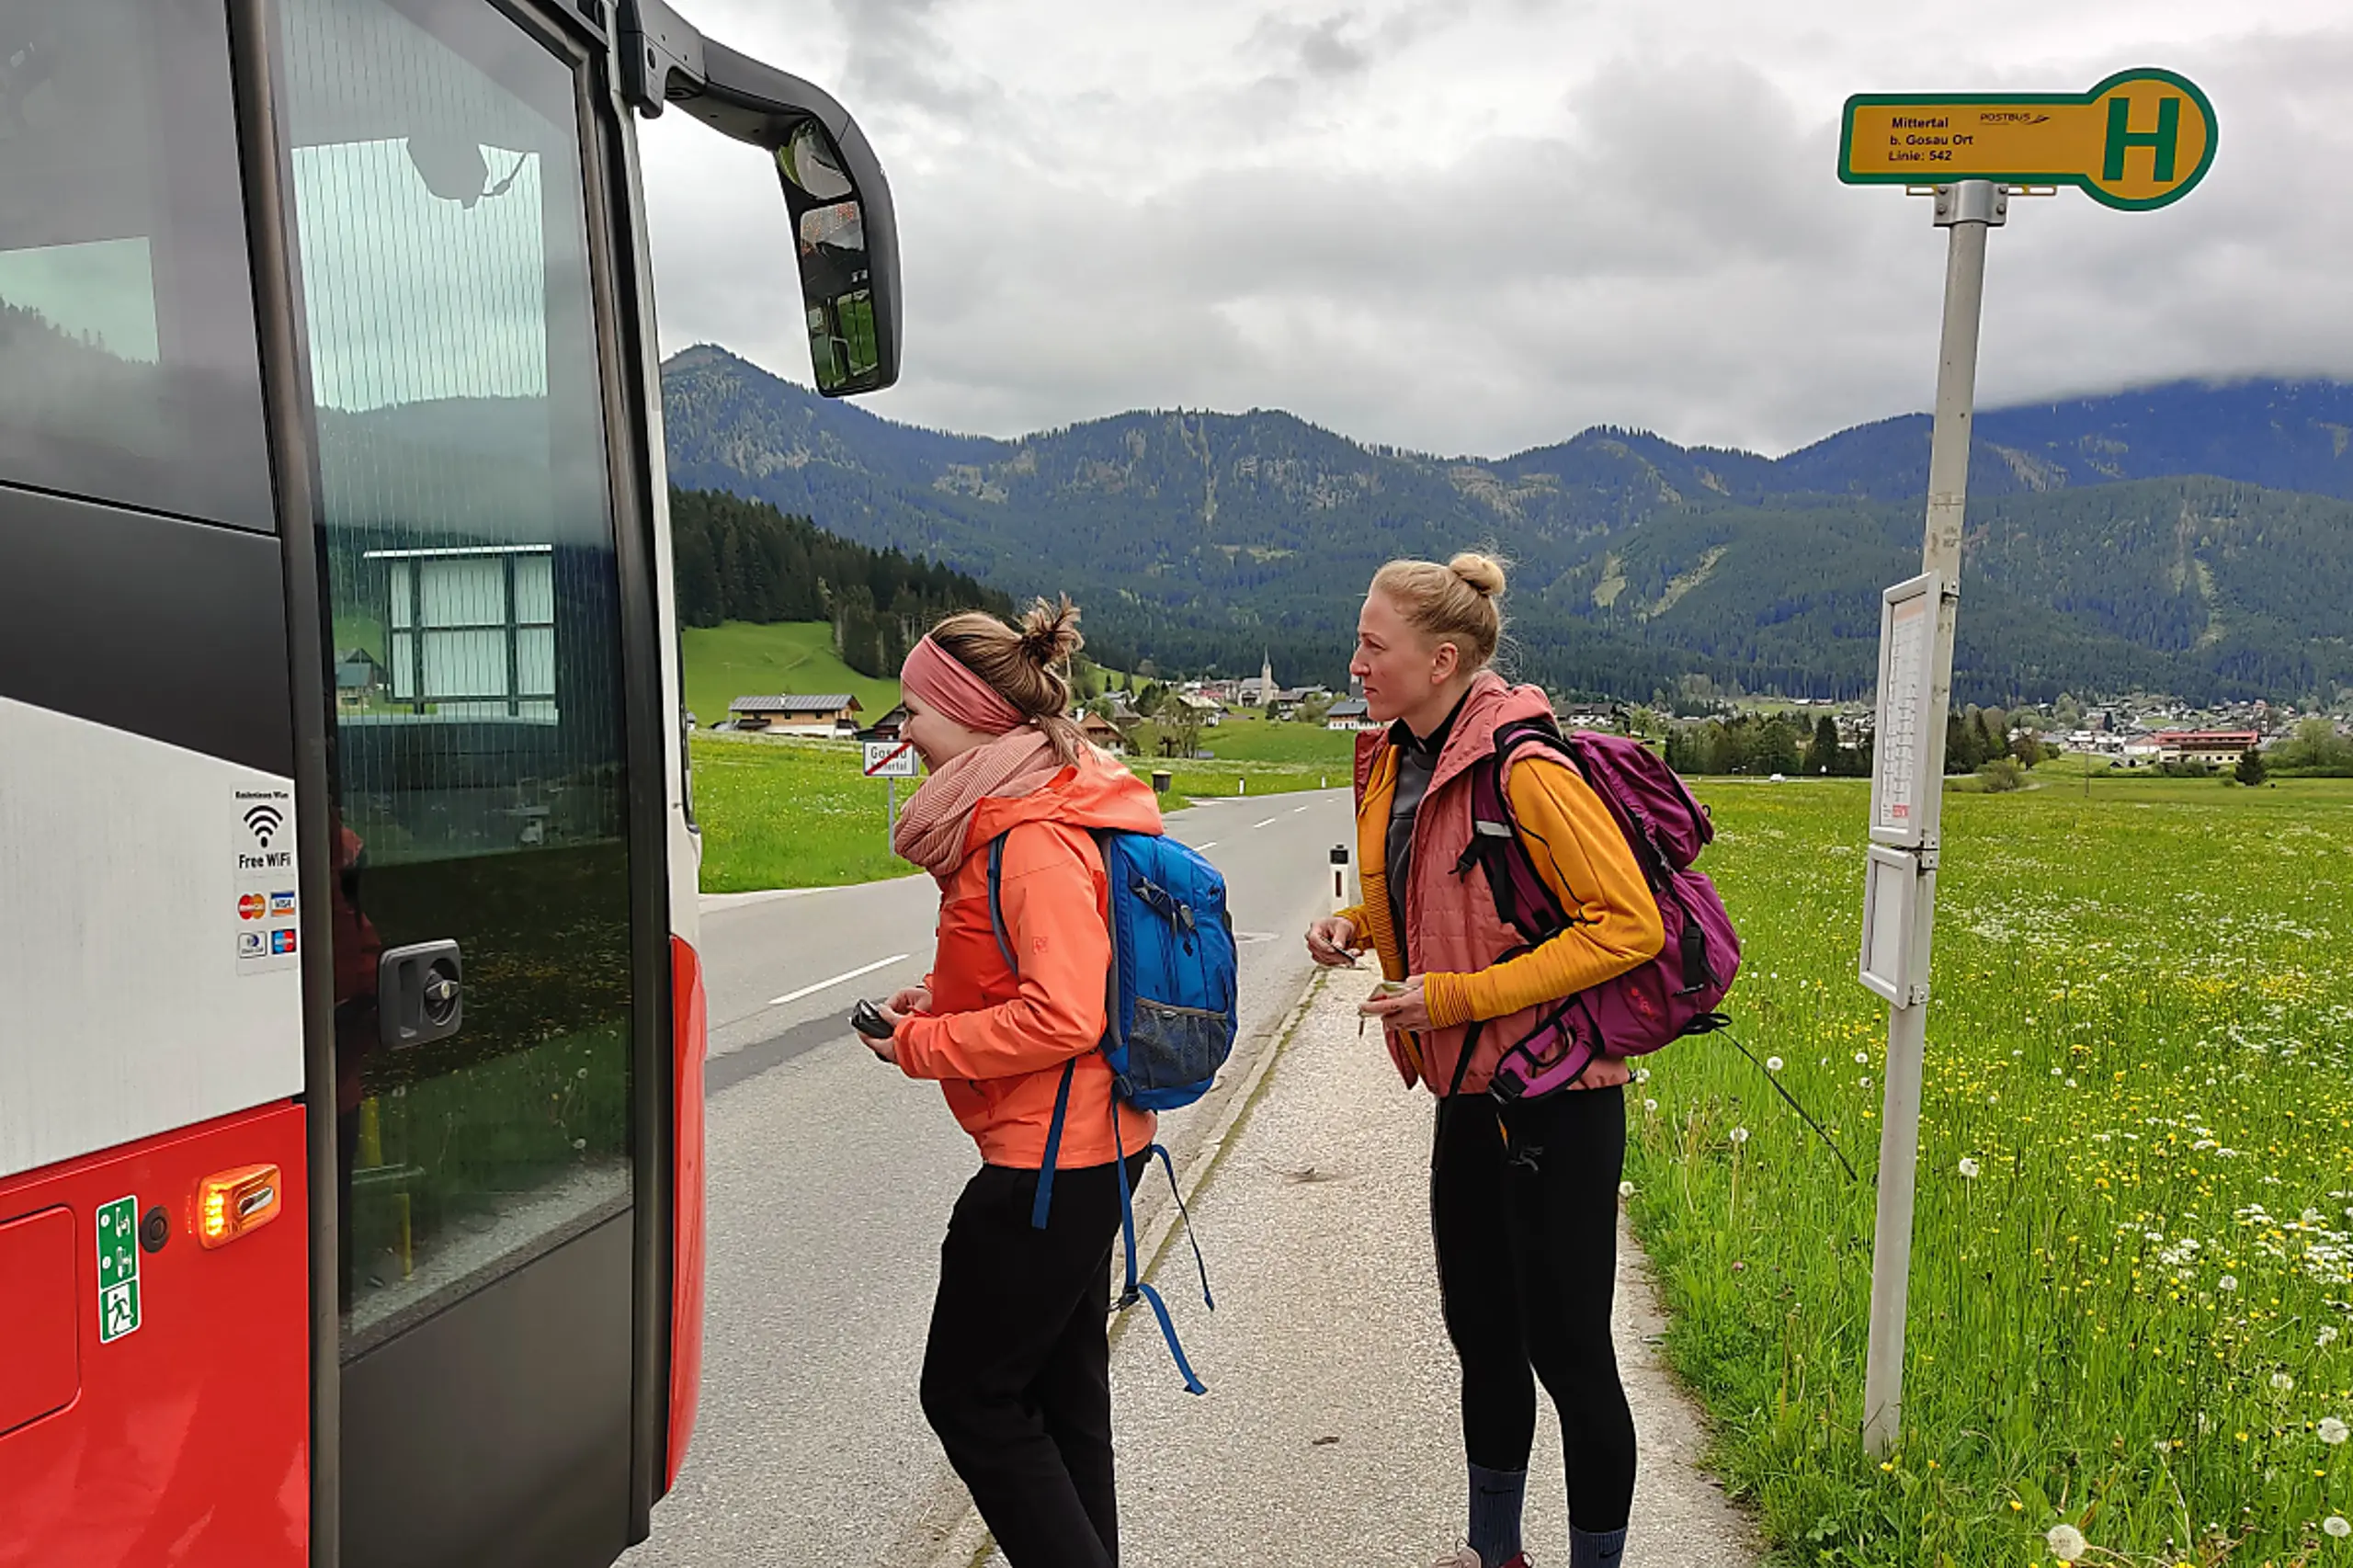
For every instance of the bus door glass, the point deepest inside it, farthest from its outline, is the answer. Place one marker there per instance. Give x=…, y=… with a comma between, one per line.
x=437, y=194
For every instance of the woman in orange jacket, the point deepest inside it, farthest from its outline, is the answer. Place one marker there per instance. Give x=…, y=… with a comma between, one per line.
x=1016, y=1372
x=1523, y=1197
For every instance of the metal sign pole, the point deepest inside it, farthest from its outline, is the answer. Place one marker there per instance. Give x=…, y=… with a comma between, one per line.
x=1966, y=209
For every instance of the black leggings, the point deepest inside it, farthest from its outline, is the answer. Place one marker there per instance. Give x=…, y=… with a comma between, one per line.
x=1017, y=1377
x=1524, y=1209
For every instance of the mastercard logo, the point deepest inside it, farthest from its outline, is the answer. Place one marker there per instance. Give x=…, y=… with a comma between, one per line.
x=252, y=907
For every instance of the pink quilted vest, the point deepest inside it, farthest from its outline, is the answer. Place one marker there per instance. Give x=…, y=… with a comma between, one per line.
x=1451, y=926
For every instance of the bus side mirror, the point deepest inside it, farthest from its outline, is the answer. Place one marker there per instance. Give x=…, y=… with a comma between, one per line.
x=846, y=243
x=845, y=235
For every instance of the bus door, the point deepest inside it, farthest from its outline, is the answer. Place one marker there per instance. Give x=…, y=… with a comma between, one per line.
x=488, y=970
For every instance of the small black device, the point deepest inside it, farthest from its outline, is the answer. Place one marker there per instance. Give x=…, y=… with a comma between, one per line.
x=868, y=1021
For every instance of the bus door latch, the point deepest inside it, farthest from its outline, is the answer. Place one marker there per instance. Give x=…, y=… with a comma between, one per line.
x=420, y=993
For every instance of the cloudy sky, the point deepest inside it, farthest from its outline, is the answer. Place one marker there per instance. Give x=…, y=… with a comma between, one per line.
x=1481, y=225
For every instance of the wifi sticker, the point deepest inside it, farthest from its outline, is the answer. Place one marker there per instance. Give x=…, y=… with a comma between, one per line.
x=263, y=866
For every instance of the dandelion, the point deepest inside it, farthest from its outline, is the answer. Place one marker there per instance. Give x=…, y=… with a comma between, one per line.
x=2335, y=1524
x=1625, y=1189
x=1650, y=1105
x=2282, y=1383
x=1968, y=1169
x=2327, y=1336
x=1772, y=1064
x=1862, y=1057
x=1641, y=1074
x=2066, y=1542
x=2227, y=1282
x=2332, y=1431
x=1740, y=1134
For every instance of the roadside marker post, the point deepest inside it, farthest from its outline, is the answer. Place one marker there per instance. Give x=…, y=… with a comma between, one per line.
x=2139, y=139
x=892, y=760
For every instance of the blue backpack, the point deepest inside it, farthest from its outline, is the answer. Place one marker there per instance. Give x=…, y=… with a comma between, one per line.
x=1170, y=1017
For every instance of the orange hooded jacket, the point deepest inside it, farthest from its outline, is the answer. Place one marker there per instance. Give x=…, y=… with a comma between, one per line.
x=998, y=1041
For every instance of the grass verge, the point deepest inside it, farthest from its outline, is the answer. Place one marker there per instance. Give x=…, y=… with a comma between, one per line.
x=2131, y=1297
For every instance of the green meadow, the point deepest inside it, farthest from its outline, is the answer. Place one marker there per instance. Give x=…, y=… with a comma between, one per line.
x=2131, y=1297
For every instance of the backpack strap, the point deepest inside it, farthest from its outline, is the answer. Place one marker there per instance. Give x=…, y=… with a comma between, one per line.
x=1137, y=1288
x=1045, y=1197
x=1522, y=897
x=1461, y=1066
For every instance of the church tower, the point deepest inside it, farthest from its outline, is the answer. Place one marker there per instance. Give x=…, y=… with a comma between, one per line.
x=1266, y=681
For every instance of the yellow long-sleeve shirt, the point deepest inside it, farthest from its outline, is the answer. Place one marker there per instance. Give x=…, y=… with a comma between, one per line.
x=1578, y=850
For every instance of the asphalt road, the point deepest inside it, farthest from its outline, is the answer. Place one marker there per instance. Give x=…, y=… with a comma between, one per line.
x=831, y=1177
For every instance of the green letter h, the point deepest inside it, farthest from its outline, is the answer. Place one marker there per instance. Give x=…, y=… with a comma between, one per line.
x=2162, y=142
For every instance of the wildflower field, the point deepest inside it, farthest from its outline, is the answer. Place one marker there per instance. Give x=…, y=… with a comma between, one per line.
x=2132, y=1296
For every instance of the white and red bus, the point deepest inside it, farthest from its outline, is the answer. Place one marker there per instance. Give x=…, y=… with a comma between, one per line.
x=351, y=1022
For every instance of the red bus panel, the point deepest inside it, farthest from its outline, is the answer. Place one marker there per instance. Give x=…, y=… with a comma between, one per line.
x=690, y=1018
x=168, y=1390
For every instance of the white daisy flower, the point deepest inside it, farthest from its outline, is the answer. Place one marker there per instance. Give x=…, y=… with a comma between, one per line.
x=2066, y=1542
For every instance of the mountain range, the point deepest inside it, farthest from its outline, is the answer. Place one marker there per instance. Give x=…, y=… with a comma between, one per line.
x=2194, y=539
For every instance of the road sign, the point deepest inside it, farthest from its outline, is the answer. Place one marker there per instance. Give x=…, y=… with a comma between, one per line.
x=2141, y=139
x=890, y=759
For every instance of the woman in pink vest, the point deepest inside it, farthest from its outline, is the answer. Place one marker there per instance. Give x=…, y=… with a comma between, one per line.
x=1524, y=1198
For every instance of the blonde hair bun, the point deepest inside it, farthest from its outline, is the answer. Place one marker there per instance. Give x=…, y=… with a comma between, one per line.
x=1050, y=632
x=1457, y=603
x=1484, y=572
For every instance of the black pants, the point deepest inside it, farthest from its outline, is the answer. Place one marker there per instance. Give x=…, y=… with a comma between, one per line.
x=1017, y=1377
x=1524, y=1209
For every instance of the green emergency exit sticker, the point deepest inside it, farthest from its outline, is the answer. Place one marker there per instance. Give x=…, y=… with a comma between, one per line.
x=117, y=1268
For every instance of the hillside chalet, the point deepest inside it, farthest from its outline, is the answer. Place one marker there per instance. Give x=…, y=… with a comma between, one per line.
x=2216, y=747
x=832, y=714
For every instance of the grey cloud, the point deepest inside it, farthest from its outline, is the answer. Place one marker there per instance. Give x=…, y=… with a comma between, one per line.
x=1670, y=248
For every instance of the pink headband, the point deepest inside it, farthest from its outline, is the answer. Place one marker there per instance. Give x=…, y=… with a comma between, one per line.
x=940, y=681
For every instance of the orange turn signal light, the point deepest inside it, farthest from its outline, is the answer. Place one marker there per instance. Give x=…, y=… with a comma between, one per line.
x=229, y=1203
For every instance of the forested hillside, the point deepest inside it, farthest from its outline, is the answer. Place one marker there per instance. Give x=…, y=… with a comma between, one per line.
x=1203, y=539
x=739, y=559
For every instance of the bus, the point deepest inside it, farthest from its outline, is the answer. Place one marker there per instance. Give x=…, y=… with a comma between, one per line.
x=351, y=1027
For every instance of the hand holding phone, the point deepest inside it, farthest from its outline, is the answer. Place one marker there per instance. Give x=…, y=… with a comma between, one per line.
x=868, y=1021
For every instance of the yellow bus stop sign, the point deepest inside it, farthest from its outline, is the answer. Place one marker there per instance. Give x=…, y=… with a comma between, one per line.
x=2141, y=139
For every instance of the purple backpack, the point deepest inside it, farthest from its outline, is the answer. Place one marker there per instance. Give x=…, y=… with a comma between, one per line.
x=1675, y=994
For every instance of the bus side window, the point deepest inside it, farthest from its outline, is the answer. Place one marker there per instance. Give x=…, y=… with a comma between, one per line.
x=128, y=365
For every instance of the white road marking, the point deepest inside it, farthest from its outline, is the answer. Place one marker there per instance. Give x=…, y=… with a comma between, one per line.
x=1210, y=845
x=1260, y=825
x=1296, y=810
x=853, y=974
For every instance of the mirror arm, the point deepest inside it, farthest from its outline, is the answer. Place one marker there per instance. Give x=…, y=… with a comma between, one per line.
x=668, y=61
x=661, y=56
